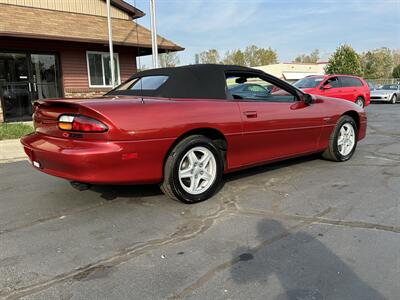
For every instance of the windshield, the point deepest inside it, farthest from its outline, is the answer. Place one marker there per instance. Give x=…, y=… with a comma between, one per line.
x=248, y=87
x=388, y=87
x=308, y=82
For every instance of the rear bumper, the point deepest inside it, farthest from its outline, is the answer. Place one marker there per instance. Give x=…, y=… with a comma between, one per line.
x=98, y=162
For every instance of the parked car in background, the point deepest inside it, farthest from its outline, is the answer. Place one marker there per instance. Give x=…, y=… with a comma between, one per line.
x=249, y=89
x=346, y=87
x=182, y=127
x=389, y=93
x=372, y=86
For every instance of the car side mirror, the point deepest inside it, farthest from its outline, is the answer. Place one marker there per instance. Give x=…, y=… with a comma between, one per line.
x=307, y=99
x=326, y=87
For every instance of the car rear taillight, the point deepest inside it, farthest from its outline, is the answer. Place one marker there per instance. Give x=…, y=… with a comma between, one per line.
x=80, y=124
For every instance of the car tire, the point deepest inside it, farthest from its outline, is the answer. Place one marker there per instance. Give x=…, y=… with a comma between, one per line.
x=360, y=102
x=193, y=170
x=343, y=140
x=393, y=100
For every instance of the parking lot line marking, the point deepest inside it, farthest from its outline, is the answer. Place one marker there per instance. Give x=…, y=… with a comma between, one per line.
x=381, y=158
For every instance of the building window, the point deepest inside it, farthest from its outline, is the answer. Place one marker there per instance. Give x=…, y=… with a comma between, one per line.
x=99, y=70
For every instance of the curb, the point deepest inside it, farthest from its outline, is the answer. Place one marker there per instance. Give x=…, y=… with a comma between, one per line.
x=11, y=151
x=12, y=160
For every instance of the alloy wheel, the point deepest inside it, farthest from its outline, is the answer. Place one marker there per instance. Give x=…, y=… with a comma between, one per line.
x=346, y=139
x=197, y=170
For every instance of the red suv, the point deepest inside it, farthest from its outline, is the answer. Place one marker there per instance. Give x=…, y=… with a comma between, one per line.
x=346, y=87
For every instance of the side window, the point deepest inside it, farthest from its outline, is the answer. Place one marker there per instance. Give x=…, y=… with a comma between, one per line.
x=357, y=82
x=350, y=81
x=253, y=88
x=99, y=70
x=333, y=81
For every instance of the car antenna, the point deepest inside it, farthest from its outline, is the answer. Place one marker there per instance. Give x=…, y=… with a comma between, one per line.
x=138, y=56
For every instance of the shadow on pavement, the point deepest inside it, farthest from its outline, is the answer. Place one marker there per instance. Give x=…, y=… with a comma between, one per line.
x=270, y=167
x=112, y=192
x=305, y=267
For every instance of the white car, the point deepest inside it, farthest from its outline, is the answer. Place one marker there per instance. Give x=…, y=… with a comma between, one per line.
x=386, y=93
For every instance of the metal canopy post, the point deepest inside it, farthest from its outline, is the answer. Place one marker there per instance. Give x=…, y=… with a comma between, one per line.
x=112, y=63
x=154, y=33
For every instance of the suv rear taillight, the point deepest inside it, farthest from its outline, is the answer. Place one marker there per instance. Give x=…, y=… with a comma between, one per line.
x=80, y=123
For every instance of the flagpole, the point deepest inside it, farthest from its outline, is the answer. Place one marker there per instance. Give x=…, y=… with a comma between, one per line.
x=154, y=33
x=112, y=64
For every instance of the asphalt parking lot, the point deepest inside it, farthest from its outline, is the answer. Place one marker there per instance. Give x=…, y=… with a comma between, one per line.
x=301, y=229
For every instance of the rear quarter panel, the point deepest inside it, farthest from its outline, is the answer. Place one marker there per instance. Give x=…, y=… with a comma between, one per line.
x=166, y=119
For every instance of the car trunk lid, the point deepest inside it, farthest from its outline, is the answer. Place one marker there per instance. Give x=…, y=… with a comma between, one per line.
x=47, y=113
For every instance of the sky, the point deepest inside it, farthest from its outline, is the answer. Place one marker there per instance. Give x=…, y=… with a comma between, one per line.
x=289, y=27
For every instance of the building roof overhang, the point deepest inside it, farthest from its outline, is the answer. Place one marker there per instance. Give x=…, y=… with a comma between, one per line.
x=129, y=9
x=44, y=24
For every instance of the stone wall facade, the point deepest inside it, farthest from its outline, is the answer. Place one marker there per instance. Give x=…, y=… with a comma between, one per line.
x=85, y=93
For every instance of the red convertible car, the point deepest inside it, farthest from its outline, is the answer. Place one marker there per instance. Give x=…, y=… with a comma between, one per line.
x=185, y=127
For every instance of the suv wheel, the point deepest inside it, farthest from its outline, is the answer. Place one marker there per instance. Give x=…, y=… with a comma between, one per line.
x=360, y=102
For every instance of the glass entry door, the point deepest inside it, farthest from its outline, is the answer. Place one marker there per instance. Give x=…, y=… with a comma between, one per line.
x=24, y=78
x=15, y=87
x=45, y=76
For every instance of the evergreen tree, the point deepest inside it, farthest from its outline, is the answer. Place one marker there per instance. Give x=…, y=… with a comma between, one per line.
x=344, y=61
x=396, y=72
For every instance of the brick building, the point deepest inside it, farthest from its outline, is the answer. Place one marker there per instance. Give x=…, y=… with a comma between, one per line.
x=59, y=48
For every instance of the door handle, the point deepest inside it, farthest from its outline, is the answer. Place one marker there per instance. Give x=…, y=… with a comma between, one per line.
x=250, y=114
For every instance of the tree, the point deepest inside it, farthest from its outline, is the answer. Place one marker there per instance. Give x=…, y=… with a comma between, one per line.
x=235, y=57
x=377, y=63
x=210, y=57
x=169, y=59
x=396, y=72
x=344, y=61
x=396, y=57
x=312, y=58
x=255, y=56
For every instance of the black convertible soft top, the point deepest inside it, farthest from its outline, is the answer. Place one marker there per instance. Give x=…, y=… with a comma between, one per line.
x=204, y=81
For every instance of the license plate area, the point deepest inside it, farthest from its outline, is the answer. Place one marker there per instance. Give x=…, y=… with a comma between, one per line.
x=32, y=158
